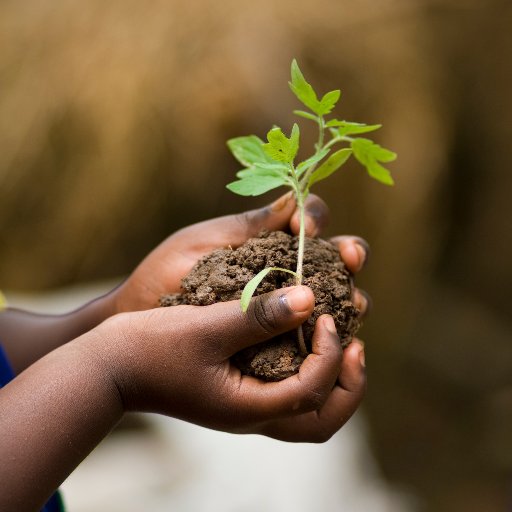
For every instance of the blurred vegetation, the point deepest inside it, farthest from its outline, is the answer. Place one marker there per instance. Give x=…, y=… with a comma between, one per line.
x=113, y=122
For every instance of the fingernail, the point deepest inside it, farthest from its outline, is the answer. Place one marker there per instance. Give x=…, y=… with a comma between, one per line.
x=351, y=253
x=363, y=251
x=362, y=358
x=280, y=203
x=363, y=302
x=330, y=325
x=369, y=302
x=298, y=299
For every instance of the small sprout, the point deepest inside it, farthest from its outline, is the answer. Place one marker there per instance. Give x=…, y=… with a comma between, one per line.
x=269, y=165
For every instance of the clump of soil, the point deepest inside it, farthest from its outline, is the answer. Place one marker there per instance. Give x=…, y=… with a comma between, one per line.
x=222, y=275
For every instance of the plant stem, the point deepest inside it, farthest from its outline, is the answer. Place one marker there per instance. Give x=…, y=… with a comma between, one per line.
x=299, y=195
x=321, y=131
x=302, y=235
x=318, y=146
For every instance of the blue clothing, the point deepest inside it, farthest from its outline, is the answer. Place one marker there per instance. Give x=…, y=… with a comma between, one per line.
x=54, y=504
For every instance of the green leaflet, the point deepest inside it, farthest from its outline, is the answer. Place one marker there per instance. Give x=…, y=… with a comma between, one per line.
x=255, y=184
x=349, y=128
x=307, y=95
x=248, y=150
x=304, y=91
x=280, y=147
x=259, y=171
x=328, y=102
x=251, y=286
x=370, y=154
x=332, y=164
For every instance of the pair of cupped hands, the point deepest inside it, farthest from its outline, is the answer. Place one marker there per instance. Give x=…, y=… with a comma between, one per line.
x=176, y=361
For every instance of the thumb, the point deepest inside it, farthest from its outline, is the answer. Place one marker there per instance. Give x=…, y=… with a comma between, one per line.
x=268, y=315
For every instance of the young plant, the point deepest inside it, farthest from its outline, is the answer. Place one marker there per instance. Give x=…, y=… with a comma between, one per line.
x=272, y=164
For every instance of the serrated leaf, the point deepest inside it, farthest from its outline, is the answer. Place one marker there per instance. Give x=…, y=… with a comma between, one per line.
x=251, y=286
x=306, y=164
x=280, y=147
x=332, y=164
x=248, y=150
x=370, y=154
x=349, y=128
x=303, y=90
x=307, y=115
x=328, y=102
x=294, y=142
x=255, y=185
x=380, y=173
x=383, y=155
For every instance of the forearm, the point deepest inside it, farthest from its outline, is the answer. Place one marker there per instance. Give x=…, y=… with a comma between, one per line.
x=51, y=418
x=26, y=337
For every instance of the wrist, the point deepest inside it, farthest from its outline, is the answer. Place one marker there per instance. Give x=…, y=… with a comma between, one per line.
x=107, y=348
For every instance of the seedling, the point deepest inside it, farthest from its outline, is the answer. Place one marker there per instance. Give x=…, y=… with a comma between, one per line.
x=272, y=164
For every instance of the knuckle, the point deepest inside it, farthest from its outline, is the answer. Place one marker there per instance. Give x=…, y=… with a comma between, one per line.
x=243, y=219
x=265, y=315
x=250, y=221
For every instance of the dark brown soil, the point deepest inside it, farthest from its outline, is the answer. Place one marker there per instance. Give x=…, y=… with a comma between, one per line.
x=222, y=275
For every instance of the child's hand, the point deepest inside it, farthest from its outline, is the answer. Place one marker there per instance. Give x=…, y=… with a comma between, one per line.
x=176, y=361
x=163, y=269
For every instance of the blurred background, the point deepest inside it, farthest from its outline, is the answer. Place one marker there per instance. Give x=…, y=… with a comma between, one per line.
x=113, y=122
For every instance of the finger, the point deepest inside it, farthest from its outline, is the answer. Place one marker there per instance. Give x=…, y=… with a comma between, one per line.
x=352, y=377
x=307, y=391
x=354, y=251
x=319, y=426
x=268, y=315
x=362, y=301
x=316, y=216
x=234, y=230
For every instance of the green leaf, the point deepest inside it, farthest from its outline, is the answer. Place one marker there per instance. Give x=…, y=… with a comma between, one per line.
x=258, y=171
x=379, y=173
x=248, y=150
x=370, y=154
x=264, y=169
x=274, y=166
x=306, y=164
x=328, y=102
x=383, y=155
x=307, y=115
x=304, y=91
x=255, y=184
x=348, y=128
x=332, y=164
x=251, y=286
x=280, y=147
